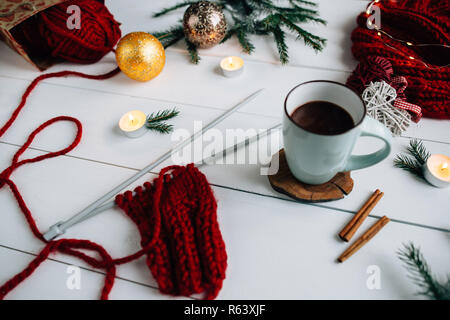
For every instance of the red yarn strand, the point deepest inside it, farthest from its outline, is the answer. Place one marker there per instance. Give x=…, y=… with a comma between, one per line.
x=36, y=81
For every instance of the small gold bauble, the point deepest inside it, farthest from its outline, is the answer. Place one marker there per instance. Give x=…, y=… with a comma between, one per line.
x=204, y=24
x=140, y=56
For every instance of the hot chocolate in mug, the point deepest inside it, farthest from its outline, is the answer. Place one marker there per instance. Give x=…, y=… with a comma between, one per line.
x=318, y=140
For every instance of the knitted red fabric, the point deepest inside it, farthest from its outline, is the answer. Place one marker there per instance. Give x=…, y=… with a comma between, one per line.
x=176, y=217
x=186, y=252
x=47, y=33
x=418, y=21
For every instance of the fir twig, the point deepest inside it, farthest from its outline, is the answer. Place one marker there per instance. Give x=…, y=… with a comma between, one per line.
x=170, y=37
x=408, y=164
x=418, y=150
x=415, y=163
x=161, y=127
x=163, y=115
x=156, y=121
x=311, y=40
x=246, y=45
x=193, y=53
x=420, y=272
x=312, y=4
x=280, y=39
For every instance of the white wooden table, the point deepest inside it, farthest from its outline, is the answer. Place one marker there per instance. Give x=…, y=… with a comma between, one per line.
x=277, y=248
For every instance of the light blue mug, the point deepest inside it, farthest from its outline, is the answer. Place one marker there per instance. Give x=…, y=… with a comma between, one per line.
x=314, y=158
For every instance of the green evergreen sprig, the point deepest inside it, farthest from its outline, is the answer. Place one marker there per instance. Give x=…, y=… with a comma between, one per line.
x=156, y=121
x=255, y=17
x=420, y=272
x=413, y=163
x=171, y=36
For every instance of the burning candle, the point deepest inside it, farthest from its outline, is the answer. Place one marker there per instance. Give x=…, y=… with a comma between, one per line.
x=132, y=124
x=232, y=66
x=437, y=170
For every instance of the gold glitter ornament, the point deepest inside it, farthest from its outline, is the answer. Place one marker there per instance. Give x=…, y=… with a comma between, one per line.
x=140, y=56
x=204, y=24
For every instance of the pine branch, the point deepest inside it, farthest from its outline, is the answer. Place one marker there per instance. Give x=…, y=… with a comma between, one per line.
x=161, y=127
x=418, y=150
x=280, y=39
x=420, y=272
x=415, y=163
x=162, y=115
x=171, y=36
x=409, y=164
x=246, y=45
x=173, y=8
x=192, y=49
x=308, y=3
x=315, y=42
x=156, y=121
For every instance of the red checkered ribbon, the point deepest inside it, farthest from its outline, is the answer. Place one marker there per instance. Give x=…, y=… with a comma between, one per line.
x=400, y=83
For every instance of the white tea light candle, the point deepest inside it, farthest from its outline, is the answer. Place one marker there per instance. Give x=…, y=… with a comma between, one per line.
x=132, y=124
x=437, y=170
x=232, y=66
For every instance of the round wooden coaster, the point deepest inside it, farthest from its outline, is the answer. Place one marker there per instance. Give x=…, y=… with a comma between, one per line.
x=284, y=182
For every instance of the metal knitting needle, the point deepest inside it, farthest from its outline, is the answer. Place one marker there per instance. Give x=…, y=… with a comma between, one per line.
x=60, y=227
x=237, y=146
x=208, y=160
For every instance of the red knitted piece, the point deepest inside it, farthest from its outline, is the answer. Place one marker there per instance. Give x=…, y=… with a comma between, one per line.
x=176, y=217
x=47, y=32
x=188, y=255
x=421, y=21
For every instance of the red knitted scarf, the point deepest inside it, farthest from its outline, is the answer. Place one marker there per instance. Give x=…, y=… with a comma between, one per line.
x=417, y=21
x=176, y=218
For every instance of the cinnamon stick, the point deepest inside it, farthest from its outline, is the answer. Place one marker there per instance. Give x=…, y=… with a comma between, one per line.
x=349, y=230
x=361, y=241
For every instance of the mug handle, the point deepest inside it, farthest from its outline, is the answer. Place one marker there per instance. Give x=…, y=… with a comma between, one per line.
x=371, y=128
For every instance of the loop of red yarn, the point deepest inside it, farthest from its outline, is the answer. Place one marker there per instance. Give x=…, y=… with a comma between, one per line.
x=417, y=21
x=47, y=32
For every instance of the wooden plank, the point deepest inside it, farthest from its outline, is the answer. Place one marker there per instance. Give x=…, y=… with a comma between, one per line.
x=174, y=84
x=276, y=248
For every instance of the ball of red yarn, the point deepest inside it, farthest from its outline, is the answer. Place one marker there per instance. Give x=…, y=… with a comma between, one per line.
x=47, y=34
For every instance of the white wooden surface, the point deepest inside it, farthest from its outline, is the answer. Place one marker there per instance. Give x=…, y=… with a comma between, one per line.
x=277, y=248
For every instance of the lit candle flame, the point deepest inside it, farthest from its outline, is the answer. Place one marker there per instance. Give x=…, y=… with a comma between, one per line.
x=132, y=119
x=230, y=62
x=444, y=170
